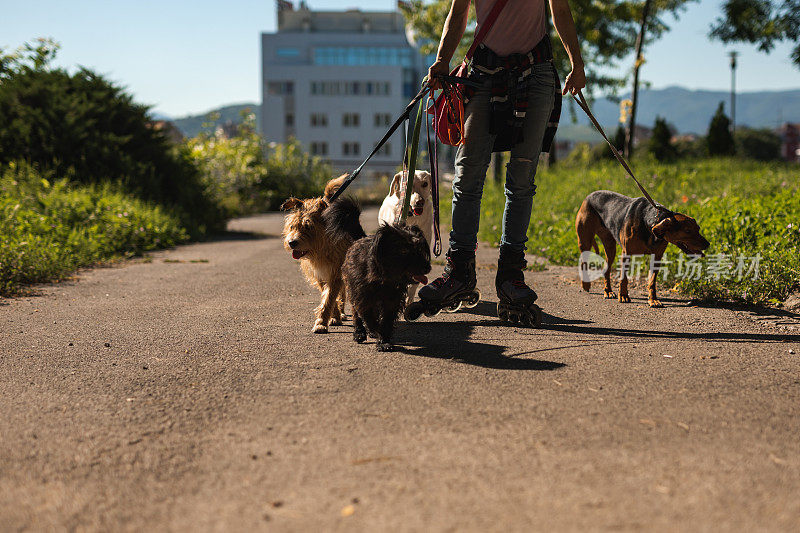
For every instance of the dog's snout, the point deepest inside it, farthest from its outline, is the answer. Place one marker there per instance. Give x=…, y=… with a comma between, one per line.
x=293, y=243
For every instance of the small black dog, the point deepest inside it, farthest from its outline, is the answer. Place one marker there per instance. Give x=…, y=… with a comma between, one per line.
x=377, y=271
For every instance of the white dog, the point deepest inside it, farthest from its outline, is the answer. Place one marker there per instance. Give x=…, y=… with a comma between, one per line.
x=421, y=214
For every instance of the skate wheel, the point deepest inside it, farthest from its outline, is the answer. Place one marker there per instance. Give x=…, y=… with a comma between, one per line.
x=536, y=315
x=432, y=312
x=502, y=314
x=413, y=311
x=454, y=308
x=473, y=299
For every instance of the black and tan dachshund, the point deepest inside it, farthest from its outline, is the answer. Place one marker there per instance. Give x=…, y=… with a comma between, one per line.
x=640, y=229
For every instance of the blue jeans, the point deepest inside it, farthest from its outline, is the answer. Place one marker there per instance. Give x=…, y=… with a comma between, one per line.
x=472, y=162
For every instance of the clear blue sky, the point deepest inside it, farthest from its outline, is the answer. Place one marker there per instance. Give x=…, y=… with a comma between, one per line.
x=186, y=56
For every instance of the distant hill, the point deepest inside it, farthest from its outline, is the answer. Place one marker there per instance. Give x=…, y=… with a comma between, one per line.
x=688, y=110
x=193, y=124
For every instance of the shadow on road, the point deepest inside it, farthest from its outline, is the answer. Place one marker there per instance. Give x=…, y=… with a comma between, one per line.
x=654, y=334
x=489, y=309
x=451, y=341
x=756, y=310
x=233, y=236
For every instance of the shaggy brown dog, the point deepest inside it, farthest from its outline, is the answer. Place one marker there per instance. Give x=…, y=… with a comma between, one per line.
x=639, y=228
x=318, y=234
x=377, y=272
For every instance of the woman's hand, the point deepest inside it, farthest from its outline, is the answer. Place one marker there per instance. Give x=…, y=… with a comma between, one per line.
x=565, y=26
x=439, y=68
x=576, y=80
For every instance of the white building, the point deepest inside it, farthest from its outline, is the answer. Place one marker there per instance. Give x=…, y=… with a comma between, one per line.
x=336, y=81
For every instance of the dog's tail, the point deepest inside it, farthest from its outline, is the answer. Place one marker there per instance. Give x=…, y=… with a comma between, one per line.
x=342, y=220
x=594, y=245
x=334, y=185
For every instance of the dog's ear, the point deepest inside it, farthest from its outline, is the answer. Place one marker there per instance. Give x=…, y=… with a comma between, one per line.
x=416, y=232
x=291, y=203
x=661, y=229
x=333, y=186
x=395, y=186
x=425, y=177
x=377, y=251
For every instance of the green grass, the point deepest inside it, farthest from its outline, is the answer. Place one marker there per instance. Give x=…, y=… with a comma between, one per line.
x=49, y=230
x=743, y=207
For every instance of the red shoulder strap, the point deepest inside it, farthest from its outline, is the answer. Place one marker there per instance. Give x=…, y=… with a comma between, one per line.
x=486, y=26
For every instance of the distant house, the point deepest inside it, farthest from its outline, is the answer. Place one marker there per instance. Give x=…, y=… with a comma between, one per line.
x=169, y=130
x=228, y=130
x=684, y=137
x=790, y=141
x=641, y=134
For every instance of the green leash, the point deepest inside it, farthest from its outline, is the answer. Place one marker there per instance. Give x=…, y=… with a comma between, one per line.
x=411, y=153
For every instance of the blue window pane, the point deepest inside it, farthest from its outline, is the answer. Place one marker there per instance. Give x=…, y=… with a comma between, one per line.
x=287, y=52
x=361, y=56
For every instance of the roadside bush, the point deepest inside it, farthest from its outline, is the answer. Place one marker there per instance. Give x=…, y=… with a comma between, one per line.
x=48, y=230
x=758, y=144
x=84, y=126
x=239, y=176
x=229, y=166
x=767, y=226
x=291, y=171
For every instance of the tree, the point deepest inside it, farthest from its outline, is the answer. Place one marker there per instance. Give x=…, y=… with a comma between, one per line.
x=607, y=31
x=618, y=139
x=637, y=64
x=28, y=56
x=660, y=144
x=720, y=140
x=760, y=22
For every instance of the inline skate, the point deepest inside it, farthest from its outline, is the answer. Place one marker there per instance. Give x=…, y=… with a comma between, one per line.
x=516, y=303
x=454, y=289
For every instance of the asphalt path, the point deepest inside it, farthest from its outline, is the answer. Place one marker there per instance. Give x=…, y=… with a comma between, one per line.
x=188, y=393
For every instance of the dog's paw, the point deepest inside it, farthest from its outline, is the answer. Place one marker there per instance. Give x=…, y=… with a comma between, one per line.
x=655, y=303
x=359, y=336
x=384, y=347
x=335, y=322
x=319, y=327
x=609, y=295
x=624, y=299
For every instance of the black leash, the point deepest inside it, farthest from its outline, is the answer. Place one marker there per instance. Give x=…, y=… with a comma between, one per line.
x=583, y=105
x=402, y=118
x=433, y=155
